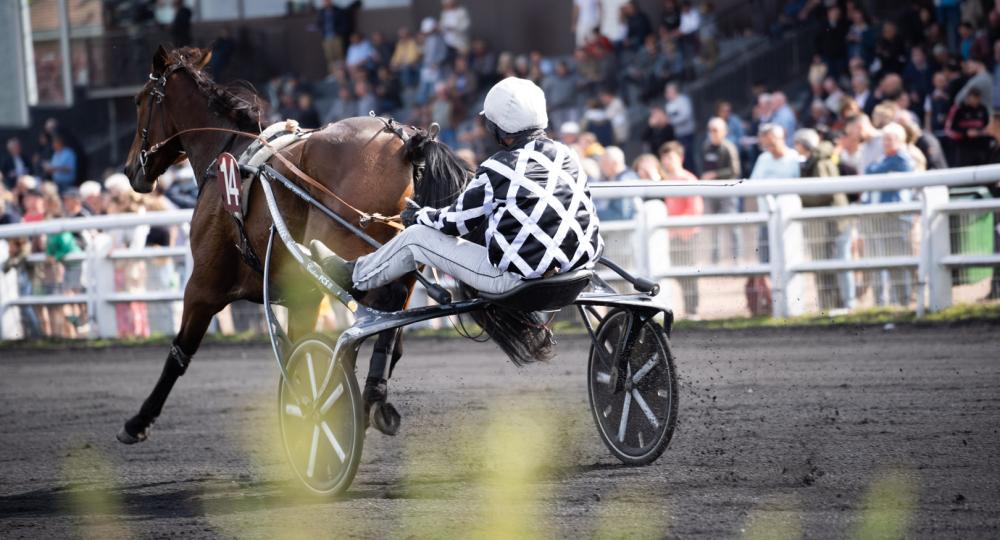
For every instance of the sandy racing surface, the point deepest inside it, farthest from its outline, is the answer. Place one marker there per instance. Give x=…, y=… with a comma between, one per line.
x=827, y=433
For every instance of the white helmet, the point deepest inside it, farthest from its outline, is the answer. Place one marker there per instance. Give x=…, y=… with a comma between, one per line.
x=516, y=105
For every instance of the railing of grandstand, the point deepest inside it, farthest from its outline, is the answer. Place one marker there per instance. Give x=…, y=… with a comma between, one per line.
x=922, y=238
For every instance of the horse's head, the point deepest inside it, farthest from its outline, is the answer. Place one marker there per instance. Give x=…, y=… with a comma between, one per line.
x=154, y=147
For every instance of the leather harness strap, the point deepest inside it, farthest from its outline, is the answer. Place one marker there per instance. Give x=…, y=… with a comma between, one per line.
x=365, y=216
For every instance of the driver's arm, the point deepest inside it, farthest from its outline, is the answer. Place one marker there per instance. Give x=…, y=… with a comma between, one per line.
x=467, y=213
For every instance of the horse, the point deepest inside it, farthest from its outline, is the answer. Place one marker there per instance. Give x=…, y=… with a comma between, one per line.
x=363, y=162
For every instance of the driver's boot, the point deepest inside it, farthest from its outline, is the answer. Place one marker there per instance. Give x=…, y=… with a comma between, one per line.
x=379, y=412
x=339, y=270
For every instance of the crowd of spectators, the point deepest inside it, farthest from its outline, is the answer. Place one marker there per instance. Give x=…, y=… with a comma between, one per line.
x=55, y=264
x=910, y=93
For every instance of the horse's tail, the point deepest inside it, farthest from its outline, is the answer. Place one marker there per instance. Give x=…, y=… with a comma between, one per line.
x=523, y=336
x=439, y=178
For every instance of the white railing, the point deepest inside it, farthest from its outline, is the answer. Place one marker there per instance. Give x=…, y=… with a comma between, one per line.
x=640, y=243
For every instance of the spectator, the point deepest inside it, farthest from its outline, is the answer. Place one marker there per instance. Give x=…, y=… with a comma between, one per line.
x=180, y=28
x=360, y=53
x=966, y=126
x=890, y=51
x=689, y=29
x=891, y=286
x=967, y=36
x=681, y=114
x=670, y=19
x=222, y=53
x=586, y=18
x=569, y=134
x=783, y=115
x=183, y=191
x=365, y=101
x=483, y=63
x=336, y=24
x=926, y=143
x=860, y=90
x=641, y=80
x=62, y=166
x=860, y=38
x=949, y=15
x=734, y=126
x=869, y=140
x=560, y=94
x=614, y=169
x=708, y=35
x=406, y=58
x=658, y=130
x=383, y=49
x=343, y=107
x=636, y=24
x=613, y=22
x=455, y=24
x=93, y=201
x=648, y=167
x=831, y=41
x=13, y=165
x=388, y=91
x=937, y=105
x=42, y=155
x=821, y=236
x=435, y=52
x=979, y=79
x=442, y=112
x=305, y=113
x=721, y=161
x=615, y=112
x=682, y=240
x=917, y=76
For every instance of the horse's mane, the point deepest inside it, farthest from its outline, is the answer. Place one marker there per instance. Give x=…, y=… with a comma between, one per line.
x=237, y=101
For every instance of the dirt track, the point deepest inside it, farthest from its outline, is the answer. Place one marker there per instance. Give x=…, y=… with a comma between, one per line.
x=779, y=431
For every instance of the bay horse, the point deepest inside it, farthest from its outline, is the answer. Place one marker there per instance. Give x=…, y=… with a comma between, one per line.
x=182, y=112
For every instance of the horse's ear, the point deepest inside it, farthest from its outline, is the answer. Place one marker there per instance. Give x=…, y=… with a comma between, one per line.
x=206, y=56
x=160, y=59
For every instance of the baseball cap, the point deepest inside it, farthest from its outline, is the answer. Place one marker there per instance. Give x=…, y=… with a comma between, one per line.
x=516, y=105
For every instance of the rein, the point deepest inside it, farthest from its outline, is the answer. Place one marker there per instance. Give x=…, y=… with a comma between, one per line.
x=366, y=217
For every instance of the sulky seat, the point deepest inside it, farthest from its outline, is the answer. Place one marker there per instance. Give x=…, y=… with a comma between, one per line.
x=543, y=294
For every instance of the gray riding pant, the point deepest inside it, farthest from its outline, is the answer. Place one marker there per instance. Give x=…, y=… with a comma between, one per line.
x=466, y=261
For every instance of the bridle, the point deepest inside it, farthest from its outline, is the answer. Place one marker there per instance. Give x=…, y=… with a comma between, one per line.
x=158, y=93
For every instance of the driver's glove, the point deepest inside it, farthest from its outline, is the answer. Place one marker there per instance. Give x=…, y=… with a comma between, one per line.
x=409, y=214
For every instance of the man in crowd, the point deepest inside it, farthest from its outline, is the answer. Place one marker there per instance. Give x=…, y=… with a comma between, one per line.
x=966, y=127
x=891, y=286
x=681, y=114
x=336, y=24
x=721, y=161
x=62, y=166
x=614, y=169
x=455, y=24
x=13, y=165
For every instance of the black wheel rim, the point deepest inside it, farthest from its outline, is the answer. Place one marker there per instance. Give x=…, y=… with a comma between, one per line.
x=319, y=433
x=634, y=417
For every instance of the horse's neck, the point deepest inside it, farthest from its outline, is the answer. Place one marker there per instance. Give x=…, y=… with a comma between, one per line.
x=203, y=147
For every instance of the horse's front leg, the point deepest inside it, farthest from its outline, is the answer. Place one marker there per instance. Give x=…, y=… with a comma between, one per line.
x=201, y=303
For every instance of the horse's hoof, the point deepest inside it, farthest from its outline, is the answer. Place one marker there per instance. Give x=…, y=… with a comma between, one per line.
x=385, y=417
x=125, y=437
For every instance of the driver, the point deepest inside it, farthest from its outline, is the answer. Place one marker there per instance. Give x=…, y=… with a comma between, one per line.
x=526, y=214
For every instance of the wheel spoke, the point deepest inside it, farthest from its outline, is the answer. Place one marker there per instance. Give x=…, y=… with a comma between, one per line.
x=333, y=397
x=624, y=422
x=294, y=410
x=311, y=467
x=645, y=408
x=603, y=378
x=333, y=442
x=312, y=375
x=645, y=369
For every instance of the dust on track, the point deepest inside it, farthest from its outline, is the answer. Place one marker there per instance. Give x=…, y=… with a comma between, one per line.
x=777, y=429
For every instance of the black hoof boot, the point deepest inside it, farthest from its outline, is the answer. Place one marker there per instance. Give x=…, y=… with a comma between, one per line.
x=379, y=412
x=385, y=417
x=136, y=430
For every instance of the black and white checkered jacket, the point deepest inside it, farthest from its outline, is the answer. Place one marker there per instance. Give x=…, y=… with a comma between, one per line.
x=530, y=207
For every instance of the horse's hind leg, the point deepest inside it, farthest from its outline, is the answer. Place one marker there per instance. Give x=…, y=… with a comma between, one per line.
x=385, y=354
x=199, y=308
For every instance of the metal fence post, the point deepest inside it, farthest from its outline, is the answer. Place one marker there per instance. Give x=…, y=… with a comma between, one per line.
x=785, y=246
x=935, y=245
x=104, y=286
x=9, y=316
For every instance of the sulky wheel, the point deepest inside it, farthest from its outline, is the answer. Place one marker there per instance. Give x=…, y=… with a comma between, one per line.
x=320, y=412
x=633, y=386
